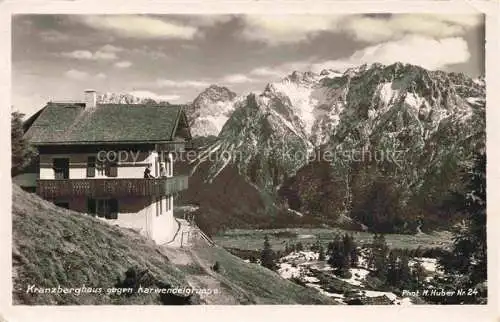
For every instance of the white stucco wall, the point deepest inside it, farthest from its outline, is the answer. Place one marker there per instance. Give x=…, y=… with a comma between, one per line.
x=163, y=225
x=138, y=213
x=78, y=166
x=137, y=221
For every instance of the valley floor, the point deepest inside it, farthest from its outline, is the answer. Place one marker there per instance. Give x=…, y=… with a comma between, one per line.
x=305, y=268
x=251, y=239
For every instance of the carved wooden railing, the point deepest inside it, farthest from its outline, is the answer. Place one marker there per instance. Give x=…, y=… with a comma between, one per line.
x=111, y=187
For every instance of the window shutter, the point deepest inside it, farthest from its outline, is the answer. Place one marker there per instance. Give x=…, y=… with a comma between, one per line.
x=113, y=170
x=91, y=206
x=91, y=167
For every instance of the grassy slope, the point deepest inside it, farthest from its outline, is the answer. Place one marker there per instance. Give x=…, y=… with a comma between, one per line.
x=54, y=246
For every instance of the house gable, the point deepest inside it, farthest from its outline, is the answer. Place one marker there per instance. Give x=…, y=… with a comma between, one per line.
x=182, y=130
x=60, y=123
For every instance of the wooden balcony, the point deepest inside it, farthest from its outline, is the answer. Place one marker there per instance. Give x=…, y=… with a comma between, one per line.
x=110, y=187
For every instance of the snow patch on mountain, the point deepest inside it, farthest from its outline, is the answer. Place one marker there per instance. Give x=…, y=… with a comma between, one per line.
x=127, y=98
x=210, y=110
x=304, y=96
x=396, y=107
x=387, y=93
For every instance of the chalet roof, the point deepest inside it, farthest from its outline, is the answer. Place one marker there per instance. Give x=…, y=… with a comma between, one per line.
x=72, y=123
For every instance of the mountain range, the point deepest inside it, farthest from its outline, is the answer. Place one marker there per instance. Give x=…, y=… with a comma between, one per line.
x=384, y=146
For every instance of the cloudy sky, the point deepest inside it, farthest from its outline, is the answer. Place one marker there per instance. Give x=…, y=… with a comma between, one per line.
x=174, y=57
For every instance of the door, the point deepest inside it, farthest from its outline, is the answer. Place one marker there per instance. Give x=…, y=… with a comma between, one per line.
x=61, y=168
x=107, y=208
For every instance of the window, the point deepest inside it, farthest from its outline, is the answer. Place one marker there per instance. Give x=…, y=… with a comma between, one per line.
x=100, y=167
x=107, y=208
x=107, y=168
x=111, y=169
x=91, y=165
x=61, y=168
x=91, y=206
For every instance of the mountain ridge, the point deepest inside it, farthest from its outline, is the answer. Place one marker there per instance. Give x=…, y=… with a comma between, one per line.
x=432, y=119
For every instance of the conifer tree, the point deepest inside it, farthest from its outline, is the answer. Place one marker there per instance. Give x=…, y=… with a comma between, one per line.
x=467, y=263
x=321, y=252
x=335, y=259
x=392, y=269
x=380, y=251
x=419, y=274
x=22, y=153
x=354, y=253
x=347, y=250
x=405, y=276
x=267, y=256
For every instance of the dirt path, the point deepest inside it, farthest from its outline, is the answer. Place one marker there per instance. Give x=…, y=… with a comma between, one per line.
x=200, y=276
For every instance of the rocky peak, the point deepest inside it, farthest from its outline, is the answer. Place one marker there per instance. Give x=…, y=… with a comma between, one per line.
x=125, y=98
x=300, y=77
x=210, y=110
x=215, y=93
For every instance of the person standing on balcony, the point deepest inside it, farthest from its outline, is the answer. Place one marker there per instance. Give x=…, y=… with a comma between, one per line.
x=163, y=171
x=147, y=172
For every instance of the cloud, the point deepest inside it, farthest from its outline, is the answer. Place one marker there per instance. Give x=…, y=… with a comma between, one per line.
x=181, y=84
x=53, y=36
x=375, y=29
x=266, y=72
x=76, y=74
x=208, y=20
x=138, y=26
x=430, y=53
x=149, y=53
x=280, y=29
x=154, y=96
x=110, y=49
x=101, y=76
x=123, y=64
x=227, y=79
x=236, y=79
x=281, y=70
x=426, y=52
x=88, y=55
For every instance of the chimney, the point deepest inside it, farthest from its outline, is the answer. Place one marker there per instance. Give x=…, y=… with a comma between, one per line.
x=90, y=98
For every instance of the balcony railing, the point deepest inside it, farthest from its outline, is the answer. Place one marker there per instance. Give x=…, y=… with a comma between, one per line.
x=112, y=187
